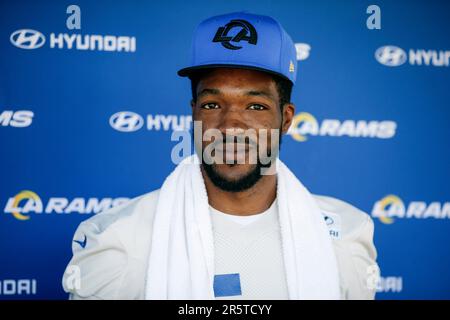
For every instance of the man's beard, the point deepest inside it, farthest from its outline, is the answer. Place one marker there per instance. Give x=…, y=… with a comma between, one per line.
x=241, y=184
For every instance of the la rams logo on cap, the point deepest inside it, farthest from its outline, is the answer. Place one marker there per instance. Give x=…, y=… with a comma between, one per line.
x=247, y=33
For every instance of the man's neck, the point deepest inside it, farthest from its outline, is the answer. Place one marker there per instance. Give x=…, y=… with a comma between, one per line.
x=255, y=200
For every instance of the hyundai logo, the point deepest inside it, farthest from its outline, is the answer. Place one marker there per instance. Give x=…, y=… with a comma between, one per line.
x=27, y=39
x=390, y=56
x=126, y=121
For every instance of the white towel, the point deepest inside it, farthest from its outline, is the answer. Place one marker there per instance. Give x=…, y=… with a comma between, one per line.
x=181, y=260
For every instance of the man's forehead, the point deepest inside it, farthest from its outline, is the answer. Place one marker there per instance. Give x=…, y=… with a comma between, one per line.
x=237, y=81
x=237, y=74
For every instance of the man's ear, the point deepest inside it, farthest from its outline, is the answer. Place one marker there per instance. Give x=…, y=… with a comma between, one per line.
x=288, y=114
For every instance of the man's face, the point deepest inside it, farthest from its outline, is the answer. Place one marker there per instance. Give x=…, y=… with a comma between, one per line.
x=232, y=101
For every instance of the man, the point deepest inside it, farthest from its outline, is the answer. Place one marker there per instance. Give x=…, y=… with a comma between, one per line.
x=232, y=221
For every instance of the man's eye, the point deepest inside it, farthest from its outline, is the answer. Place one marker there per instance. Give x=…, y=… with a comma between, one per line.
x=210, y=106
x=257, y=107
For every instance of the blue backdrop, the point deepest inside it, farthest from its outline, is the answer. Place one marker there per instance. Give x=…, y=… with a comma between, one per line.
x=372, y=125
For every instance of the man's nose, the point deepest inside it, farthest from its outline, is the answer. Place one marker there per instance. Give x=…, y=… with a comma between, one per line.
x=232, y=120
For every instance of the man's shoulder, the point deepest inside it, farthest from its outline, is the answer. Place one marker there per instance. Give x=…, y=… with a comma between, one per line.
x=127, y=226
x=140, y=208
x=110, y=250
x=342, y=218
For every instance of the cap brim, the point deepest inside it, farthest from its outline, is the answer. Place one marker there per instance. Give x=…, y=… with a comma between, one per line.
x=190, y=71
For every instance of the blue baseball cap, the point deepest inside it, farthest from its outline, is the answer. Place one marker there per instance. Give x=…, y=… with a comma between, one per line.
x=243, y=40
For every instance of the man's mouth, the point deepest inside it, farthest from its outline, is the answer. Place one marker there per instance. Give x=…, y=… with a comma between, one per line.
x=233, y=147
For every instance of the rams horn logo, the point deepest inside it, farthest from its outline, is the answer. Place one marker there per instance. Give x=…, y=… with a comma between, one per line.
x=328, y=220
x=247, y=33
